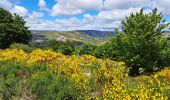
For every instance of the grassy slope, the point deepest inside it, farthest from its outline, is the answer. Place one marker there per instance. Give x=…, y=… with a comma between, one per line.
x=76, y=37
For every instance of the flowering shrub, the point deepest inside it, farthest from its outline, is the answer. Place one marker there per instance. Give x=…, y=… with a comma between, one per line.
x=12, y=55
x=79, y=77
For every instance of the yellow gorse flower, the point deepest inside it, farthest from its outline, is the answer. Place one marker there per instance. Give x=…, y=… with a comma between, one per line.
x=107, y=78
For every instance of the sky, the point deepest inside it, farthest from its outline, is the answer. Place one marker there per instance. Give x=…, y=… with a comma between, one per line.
x=68, y=15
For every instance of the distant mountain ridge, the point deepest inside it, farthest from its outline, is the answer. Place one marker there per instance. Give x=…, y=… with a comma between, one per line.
x=96, y=33
x=76, y=37
x=92, y=33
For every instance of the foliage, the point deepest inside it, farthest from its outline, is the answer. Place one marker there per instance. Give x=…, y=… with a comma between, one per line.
x=85, y=49
x=140, y=42
x=59, y=46
x=50, y=75
x=19, y=81
x=105, y=51
x=21, y=46
x=9, y=80
x=165, y=54
x=12, y=29
x=50, y=86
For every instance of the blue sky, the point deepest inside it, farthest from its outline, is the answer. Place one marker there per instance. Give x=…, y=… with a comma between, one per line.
x=66, y=15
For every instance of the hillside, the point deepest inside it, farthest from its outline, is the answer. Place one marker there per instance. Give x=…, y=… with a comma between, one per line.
x=76, y=37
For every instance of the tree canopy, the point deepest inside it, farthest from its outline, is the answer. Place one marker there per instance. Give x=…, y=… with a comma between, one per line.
x=12, y=29
x=140, y=42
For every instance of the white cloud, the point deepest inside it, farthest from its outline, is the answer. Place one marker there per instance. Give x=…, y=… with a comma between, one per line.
x=107, y=19
x=42, y=5
x=5, y=4
x=19, y=10
x=88, y=17
x=163, y=5
x=72, y=7
x=89, y=22
x=36, y=14
x=59, y=10
x=116, y=14
x=124, y=4
x=104, y=20
x=87, y=4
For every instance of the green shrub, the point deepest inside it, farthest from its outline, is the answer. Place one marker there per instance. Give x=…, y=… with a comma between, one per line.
x=48, y=86
x=85, y=49
x=11, y=75
x=105, y=51
x=36, y=81
x=165, y=55
x=59, y=46
x=21, y=46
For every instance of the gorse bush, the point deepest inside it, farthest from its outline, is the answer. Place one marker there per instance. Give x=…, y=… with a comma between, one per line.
x=49, y=75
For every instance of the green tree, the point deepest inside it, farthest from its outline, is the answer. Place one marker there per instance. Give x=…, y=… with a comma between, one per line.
x=105, y=51
x=12, y=29
x=165, y=58
x=140, y=42
x=59, y=46
x=86, y=49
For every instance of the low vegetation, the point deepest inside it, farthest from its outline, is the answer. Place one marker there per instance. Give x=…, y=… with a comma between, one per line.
x=21, y=46
x=132, y=65
x=59, y=46
x=49, y=75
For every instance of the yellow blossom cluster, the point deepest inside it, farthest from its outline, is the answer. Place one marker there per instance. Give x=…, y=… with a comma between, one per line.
x=107, y=79
x=13, y=55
